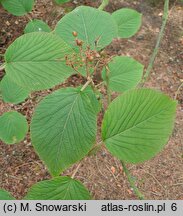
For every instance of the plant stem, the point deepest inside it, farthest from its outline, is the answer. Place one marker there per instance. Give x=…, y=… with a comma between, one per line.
x=107, y=84
x=132, y=182
x=2, y=67
x=160, y=36
x=104, y=4
x=178, y=90
x=86, y=84
x=29, y=17
x=76, y=170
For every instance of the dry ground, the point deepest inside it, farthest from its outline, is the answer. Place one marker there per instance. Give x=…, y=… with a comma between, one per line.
x=159, y=178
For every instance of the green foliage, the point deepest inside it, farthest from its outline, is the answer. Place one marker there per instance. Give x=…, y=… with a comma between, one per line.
x=4, y=195
x=60, y=188
x=94, y=27
x=18, y=7
x=63, y=128
x=11, y=92
x=138, y=124
x=125, y=73
x=13, y=127
x=36, y=61
x=128, y=21
x=37, y=26
x=61, y=1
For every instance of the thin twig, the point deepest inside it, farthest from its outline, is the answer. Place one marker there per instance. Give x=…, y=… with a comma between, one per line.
x=104, y=4
x=2, y=67
x=160, y=36
x=86, y=84
x=76, y=170
x=132, y=182
x=178, y=90
x=107, y=84
x=28, y=16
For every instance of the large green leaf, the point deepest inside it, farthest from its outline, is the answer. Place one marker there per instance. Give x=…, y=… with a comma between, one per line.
x=36, y=26
x=18, y=7
x=125, y=73
x=63, y=127
x=13, y=127
x=91, y=24
x=5, y=195
x=37, y=61
x=60, y=188
x=11, y=92
x=128, y=21
x=138, y=124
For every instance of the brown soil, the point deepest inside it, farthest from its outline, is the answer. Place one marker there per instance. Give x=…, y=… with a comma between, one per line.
x=159, y=178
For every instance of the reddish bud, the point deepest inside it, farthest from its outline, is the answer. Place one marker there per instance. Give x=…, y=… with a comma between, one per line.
x=90, y=58
x=79, y=42
x=74, y=33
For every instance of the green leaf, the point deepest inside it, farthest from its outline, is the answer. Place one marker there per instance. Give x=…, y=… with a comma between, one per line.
x=13, y=127
x=36, y=26
x=60, y=188
x=128, y=21
x=125, y=73
x=18, y=7
x=36, y=61
x=61, y=1
x=5, y=195
x=92, y=25
x=11, y=92
x=137, y=124
x=63, y=128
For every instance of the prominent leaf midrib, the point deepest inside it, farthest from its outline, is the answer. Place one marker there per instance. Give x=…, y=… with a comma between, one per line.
x=33, y=61
x=68, y=188
x=84, y=24
x=120, y=133
x=67, y=119
x=58, y=189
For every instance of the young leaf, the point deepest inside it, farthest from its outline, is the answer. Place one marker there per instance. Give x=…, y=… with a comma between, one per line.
x=36, y=26
x=36, y=61
x=18, y=7
x=128, y=21
x=11, y=92
x=93, y=26
x=5, y=195
x=138, y=124
x=13, y=127
x=60, y=188
x=63, y=128
x=125, y=73
x=61, y=1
